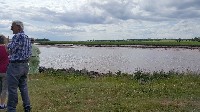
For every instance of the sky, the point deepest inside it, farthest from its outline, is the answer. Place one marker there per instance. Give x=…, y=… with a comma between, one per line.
x=82, y=20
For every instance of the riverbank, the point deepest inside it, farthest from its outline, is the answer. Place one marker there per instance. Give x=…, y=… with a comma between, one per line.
x=138, y=74
x=135, y=44
x=131, y=46
x=58, y=91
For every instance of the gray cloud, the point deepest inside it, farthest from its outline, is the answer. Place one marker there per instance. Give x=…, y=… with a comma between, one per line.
x=179, y=9
x=82, y=17
x=116, y=9
x=150, y=10
x=2, y=26
x=105, y=18
x=68, y=17
x=186, y=4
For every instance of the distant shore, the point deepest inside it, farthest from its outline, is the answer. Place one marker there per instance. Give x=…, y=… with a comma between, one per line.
x=132, y=46
x=187, y=44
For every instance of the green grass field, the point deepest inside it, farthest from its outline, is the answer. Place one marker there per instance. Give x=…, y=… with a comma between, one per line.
x=137, y=42
x=58, y=92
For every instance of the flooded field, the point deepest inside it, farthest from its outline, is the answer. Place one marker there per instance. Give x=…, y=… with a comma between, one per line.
x=125, y=59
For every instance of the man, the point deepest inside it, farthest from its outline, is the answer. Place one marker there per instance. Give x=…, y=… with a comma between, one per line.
x=19, y=52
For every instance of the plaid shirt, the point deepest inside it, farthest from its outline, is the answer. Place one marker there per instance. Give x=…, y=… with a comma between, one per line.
x=20, y=47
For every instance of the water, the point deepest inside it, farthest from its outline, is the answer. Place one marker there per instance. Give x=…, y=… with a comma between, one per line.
x=125, y=59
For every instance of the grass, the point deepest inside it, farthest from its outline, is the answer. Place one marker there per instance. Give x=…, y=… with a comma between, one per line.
x=60, y=92
x=136, y=42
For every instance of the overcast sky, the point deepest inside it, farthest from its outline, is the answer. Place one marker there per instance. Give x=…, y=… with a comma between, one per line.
x=102, y=19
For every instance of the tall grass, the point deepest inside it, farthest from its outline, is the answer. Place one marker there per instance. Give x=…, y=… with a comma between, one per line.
x=59, y=92
x=154, y=43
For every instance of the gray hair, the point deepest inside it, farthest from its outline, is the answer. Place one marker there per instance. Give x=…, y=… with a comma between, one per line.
x=2, y=39
x=19, y=23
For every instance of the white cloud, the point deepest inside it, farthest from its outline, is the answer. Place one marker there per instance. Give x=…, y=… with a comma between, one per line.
x=103, y=19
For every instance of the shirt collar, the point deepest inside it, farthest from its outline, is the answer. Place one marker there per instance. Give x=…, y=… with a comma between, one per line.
x=21, y=32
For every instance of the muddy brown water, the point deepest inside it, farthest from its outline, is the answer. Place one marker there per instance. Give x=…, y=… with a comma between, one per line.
x=125, y=59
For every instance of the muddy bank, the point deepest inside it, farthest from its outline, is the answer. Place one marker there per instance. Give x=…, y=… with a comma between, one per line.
x=145, y=46
x=132, y=46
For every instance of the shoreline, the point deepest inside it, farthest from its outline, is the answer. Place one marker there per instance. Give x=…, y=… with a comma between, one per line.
x=109, y=73
x=132, y=46
x=144, y=46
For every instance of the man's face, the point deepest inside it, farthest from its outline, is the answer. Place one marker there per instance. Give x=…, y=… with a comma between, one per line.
x=15, y=28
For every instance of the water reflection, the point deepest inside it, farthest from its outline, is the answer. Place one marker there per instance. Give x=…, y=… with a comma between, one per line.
x=125, y=59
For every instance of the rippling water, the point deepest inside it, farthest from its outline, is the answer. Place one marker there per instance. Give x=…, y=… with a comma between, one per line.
x=125, y=59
